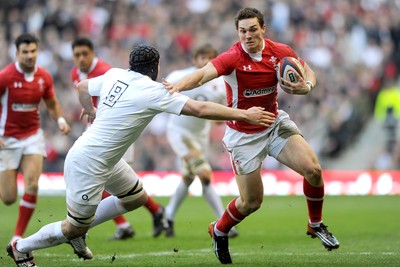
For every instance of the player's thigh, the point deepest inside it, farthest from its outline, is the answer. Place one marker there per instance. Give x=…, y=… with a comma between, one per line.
x=34, y=151
x=31, y=167
x=8, y=186
x=298, y=155
x=84, y=180
x=251, y=188
x=129, y=155
x=125, y=183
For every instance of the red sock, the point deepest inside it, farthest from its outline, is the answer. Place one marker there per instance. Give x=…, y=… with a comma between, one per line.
x=119, y=219
x=315, y=200
x=26, y=208
x=230, y=218
x=152, y=206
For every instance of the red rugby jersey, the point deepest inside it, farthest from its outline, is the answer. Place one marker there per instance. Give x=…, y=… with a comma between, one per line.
x=251, y=82
x=98, y=67
x=20, y=96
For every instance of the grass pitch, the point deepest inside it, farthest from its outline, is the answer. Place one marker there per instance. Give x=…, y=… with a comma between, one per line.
x=366, y=226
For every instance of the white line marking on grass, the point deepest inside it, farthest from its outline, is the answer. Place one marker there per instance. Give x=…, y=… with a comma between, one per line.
x=204, y=251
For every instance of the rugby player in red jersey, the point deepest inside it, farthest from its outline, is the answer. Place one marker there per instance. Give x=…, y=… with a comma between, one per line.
x=248, y=68
x=23, y=85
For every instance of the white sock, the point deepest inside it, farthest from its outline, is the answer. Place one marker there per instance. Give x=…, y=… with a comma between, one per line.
x=108, y=209
x=213, y=200
x=176, y=200
x=124, y=225
x=219, y=233
x=314, y=224
x=49, y=235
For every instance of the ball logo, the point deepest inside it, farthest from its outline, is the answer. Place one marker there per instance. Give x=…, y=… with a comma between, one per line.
x=287, y=69
x=291, y=76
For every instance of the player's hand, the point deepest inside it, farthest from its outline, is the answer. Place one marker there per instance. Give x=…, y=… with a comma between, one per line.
x=91, y=115
x=2, y=145
x=64, y=128
x=257, y=116
x=170, y=86
x=297, y=88
x=63, y=125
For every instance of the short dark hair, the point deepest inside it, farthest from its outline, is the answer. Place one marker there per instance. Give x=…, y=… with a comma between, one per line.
x=249, y=13
x=144, y=59
x=82, y=42
x=205, y=49
x=26, y=38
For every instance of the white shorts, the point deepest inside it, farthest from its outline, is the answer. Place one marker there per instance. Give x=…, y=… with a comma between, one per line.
x=86, y=179
x=129, y=155
x=248, y=151
x=14, y=149
x=176, y=136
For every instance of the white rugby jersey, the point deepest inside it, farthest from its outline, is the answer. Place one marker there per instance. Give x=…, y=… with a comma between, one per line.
x=127, y=103
x=213, y=91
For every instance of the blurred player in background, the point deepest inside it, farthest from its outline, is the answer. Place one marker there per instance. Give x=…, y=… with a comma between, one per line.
x=189, y=137
x=88, y=65
x=128, y=100
x=249, y=72
x=23, y=85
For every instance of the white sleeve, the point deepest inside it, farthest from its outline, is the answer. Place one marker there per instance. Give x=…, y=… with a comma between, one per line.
x=163, y=101
x=95, y=85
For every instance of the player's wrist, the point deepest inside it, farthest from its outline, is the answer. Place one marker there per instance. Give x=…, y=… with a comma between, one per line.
x=61, y=121
x=310, y=85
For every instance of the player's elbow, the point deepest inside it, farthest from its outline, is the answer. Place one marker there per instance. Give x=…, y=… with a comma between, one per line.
x=202, y=110
x=82, y=87
x=195, y=108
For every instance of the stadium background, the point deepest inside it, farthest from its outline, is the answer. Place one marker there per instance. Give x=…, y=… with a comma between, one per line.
x=354, y=46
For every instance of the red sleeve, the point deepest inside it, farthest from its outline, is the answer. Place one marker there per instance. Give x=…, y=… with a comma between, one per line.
x=225, y=63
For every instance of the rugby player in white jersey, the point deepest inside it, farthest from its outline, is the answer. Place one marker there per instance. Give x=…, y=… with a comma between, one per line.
x=189, y=137
x=128, y=100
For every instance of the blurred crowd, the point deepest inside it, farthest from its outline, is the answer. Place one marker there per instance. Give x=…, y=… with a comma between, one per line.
x=354, y=47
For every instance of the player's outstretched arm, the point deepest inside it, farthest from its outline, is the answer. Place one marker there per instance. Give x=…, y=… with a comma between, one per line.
x=195, y=79
x=54, y=108
x=86, y=101
x=214, y=111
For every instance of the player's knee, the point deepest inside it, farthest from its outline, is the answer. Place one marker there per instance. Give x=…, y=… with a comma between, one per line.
x=79, y=219
x=32, y=188
x=134, y=197
x=313, y=174
x=71, y=231
x=205, y=180
x=255, y=205
x=252, y=205
x=199, y=166
x=9, y=200
x=188, y=179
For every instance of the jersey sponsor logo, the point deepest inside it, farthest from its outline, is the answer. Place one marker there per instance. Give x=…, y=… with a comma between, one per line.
x=258, y=92
x=115, y=93
x=248, y=67
x=23, y=107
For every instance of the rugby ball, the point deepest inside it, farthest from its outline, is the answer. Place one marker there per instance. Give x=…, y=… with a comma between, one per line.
x=286, y=68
